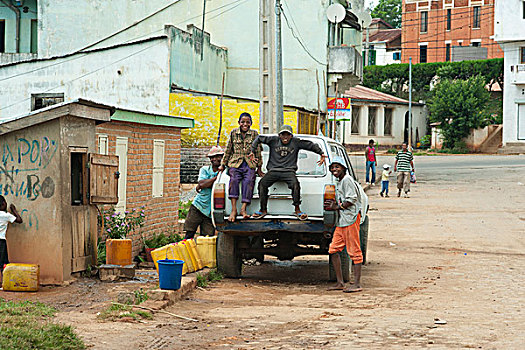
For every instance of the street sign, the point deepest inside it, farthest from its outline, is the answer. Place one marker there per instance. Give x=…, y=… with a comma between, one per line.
x=342, y=103
x=344, y=109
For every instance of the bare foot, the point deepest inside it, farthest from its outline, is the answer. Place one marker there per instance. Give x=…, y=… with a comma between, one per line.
x=353, y=288
x=244, y=214
x=338, y=286
x=233, y=216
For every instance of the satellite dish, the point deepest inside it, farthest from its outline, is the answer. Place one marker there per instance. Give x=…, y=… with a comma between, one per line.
x=335, y=13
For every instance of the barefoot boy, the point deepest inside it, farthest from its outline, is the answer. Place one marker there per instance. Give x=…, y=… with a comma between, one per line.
x=347, y=227
x=282, y=165
x=242, y=168
x=5, y=219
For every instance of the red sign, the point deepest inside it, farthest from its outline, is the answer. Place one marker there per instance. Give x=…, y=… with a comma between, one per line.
x=342, y=103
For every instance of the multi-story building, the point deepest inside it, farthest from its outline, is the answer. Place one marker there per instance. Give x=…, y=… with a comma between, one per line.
x=509, y=32
x=448, y=30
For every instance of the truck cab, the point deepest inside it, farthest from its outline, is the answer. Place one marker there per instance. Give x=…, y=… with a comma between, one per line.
x=281, y=233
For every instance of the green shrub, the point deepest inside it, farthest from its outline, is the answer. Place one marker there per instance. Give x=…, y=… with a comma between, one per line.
x=184, y=207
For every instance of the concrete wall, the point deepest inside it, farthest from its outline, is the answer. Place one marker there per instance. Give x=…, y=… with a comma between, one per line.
x=186, y=68
x=232, y=25
x=509, y=21
x=419, y=122
x=31, y=178
x=161, y=212
x=513, y=95
x=384, y=56
x=25, y=26
x=206, y=112
x=134, y=76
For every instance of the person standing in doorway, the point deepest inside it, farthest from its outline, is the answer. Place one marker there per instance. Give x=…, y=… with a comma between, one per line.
x=242, y=169
x=404, y=164
x=371, y=162
x=200, y=210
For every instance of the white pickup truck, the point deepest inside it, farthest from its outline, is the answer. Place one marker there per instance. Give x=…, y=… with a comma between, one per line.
x=280, y=233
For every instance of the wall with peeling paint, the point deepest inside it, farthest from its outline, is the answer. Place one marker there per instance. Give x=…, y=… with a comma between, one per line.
x=206, y=112
x=67, y=27
x=9, y=17
x=133, y=76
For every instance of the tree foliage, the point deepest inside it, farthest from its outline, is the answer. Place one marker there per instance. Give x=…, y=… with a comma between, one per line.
x=389, y=11
x=459, y=105
x=393, y=79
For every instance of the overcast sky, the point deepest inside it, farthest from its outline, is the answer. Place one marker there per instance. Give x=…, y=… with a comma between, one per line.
x=370, y=3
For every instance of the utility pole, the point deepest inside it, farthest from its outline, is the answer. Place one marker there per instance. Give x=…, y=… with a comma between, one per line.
x=267, y=66
x=279, y=118
x=410, y=103
x=202, y=31
x=367, y=51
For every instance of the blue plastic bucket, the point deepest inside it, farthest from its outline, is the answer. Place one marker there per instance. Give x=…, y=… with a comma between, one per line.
x=170, y=273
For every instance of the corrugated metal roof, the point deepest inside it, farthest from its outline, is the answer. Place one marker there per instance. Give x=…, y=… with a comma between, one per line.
x=385, y=35
x=362, y=93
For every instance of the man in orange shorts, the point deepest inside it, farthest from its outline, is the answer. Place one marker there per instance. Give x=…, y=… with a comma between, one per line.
x=347, y=228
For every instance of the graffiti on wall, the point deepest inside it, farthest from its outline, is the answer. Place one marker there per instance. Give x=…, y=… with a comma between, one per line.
x=21, y=166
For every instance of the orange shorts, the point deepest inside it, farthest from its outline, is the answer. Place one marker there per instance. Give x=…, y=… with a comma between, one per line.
x=348, y=237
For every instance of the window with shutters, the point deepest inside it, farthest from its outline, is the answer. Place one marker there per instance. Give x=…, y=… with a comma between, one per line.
x=388, y=121
x=372, y=117
x=121, y=150
x=103, y=144
x=355, y=120
x=158, y=168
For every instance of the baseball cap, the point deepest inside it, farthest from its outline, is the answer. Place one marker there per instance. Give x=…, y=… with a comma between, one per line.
x=286, y=128
x=386, y=166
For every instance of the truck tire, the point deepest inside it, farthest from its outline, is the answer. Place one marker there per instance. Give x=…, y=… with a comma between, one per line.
x=363, y=237
x=228, y=259
x=345, y=265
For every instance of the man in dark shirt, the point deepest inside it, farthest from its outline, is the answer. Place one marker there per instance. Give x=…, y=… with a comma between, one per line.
x=282, y=166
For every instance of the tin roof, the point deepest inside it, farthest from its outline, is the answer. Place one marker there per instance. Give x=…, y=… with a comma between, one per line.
x=364, y=94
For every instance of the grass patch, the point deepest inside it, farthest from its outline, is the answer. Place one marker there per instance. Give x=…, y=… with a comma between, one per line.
x=115, y=312
x=213, y=276
x=28, y=325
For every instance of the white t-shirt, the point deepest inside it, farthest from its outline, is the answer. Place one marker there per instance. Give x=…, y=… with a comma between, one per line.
x=5, y=218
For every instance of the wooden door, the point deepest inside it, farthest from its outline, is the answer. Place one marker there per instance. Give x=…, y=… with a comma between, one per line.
x=103, y=179
x=83, y=233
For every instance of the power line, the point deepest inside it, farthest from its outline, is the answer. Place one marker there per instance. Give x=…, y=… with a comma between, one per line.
x=299, y=40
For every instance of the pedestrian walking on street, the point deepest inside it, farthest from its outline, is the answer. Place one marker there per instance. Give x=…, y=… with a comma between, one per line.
x=346, y=233
x=384, y=180
x=242, y=169
x=403, y=166
x=199, y=214
x=371, y=162
x=282, y=166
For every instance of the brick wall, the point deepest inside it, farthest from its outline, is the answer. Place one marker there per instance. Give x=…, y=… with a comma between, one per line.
x=437, y=35
x=192, y=159
x=161, y=212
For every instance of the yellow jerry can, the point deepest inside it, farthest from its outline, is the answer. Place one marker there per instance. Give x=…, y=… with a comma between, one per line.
x=187, y=259
x=179, y=248
x=195, y=252
x=169, y=251
x=206, y=246
x=186, y=244
x=21, y=277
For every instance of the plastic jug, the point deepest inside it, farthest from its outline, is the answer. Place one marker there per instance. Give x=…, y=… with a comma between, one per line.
x=186, y=257
x=118, y=252
x=206, y=246
x=187, y=245
x=195, y=252
x=21, y=277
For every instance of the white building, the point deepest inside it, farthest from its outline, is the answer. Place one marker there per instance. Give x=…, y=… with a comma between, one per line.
x=509, y=32
x=382, y=117
x=385, y=47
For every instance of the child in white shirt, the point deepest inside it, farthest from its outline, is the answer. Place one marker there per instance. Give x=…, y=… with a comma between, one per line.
x=384, y=180
x=5, y=219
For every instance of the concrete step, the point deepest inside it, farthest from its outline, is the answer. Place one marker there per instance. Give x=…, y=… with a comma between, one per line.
x=513, y=148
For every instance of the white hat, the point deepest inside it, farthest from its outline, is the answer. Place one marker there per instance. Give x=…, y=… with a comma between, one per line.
x=386, y=166
x=215, y=150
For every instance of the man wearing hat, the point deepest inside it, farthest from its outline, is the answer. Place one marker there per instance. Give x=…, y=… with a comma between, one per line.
x=200, y=210
x=346, y=233
x=282, y=166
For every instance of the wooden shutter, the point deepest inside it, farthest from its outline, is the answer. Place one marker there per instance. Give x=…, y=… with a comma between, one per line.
x=157, y=186
x=103, y=179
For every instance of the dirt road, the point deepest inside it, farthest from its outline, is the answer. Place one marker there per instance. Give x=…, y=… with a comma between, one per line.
x=453, y=252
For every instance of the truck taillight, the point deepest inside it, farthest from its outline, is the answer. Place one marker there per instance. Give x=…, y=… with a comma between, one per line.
x=219, y=194
x=329, y=194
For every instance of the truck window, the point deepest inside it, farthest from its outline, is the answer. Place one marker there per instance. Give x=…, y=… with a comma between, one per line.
x=306, y=162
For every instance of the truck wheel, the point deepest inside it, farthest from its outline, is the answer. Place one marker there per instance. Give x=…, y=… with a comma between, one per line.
x=228, y=260
x=363, y=237
x=345, y=265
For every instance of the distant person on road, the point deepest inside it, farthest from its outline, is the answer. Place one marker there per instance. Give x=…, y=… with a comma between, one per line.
x=282, y=166
x=371, y=162
x=5, y=219
x=404, y=165
x=346, y=233
x=242, y=169
x=384, y=180
x=199, y=214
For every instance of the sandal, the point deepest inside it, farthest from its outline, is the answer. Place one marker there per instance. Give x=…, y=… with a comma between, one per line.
x=258, y=215
x=301, y=216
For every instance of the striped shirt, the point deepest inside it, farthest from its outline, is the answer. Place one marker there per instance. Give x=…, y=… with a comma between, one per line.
x=238, y=148
x=403, y=161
